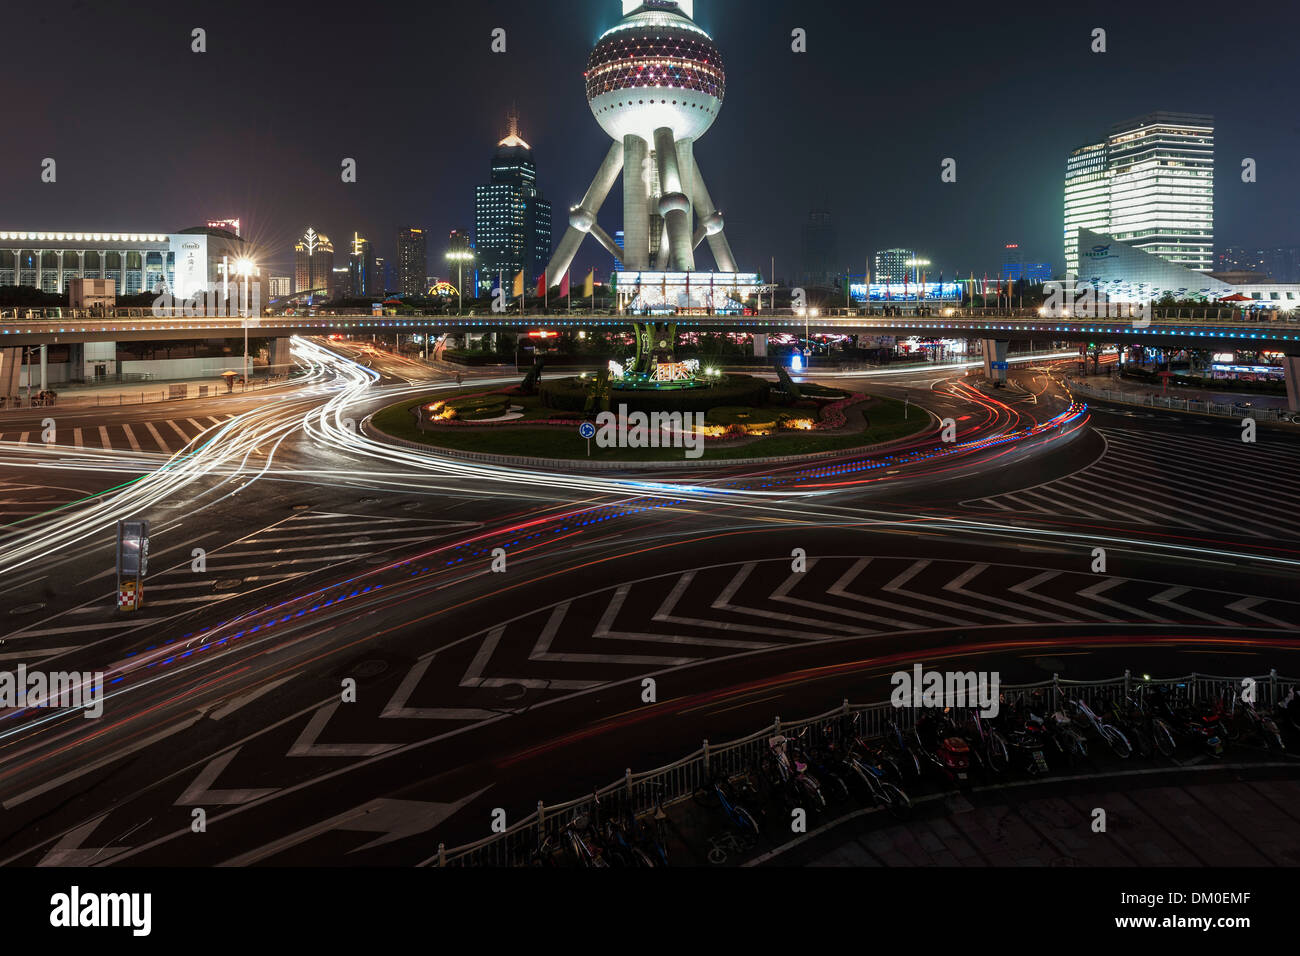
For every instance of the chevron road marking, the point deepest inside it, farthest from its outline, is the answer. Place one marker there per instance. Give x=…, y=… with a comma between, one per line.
x=1094, y=593
x=69, y=851
x=1168, y=597
x=396, y=707
x=199, y=793
x=306, y=745
x=393, y=819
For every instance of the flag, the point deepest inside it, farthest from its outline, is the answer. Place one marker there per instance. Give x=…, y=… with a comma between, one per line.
x=589, y=286
x=519, y=284
x=541, y=285
x=564, y=286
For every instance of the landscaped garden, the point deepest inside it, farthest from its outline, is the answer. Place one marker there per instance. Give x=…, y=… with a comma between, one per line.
x=744, y=417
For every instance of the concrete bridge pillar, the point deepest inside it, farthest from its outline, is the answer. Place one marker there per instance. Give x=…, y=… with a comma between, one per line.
x=11, y=361
x=995, y=354
x=1292, y=365
x=281, y=356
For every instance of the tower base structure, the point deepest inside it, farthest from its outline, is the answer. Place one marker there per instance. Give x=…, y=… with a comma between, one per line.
x=673, y=293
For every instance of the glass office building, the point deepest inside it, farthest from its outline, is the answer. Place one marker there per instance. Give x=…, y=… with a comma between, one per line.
x=1149, y=184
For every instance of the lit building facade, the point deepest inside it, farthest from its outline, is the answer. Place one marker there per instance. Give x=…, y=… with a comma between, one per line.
x=1125, y=272
x=512, y=219
x=1087, y=198
x=1149, y=184
x=314, y=258
x=894, y=266
x=412, y=262
x=1162, y=186
x=361, y=268
x=180, y=263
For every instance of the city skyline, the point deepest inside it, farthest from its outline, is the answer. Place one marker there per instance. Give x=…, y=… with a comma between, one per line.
x=410, y=176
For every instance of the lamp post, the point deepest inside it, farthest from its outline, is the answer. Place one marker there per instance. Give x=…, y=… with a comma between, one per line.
x=244, y=269
x=460, y=257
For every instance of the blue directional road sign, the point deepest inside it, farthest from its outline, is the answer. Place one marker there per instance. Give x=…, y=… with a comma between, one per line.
x=587, y=430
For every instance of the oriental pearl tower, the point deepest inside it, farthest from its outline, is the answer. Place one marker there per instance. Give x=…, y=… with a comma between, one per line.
x=655, y=83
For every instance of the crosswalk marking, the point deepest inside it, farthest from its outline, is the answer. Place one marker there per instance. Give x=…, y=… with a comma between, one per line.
x=22, y=439
x=130, y=437
x=185, y=439
x=199, y=425
x=158, y=438
x=103, y=439
x=76, y=439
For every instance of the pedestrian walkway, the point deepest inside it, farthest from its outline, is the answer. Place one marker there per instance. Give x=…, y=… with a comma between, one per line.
x=164, y=437
x=143, y=393
x=1198, y=819
x=1214, y=395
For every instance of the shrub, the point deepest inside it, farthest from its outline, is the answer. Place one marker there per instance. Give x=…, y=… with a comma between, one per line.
x=570, y=394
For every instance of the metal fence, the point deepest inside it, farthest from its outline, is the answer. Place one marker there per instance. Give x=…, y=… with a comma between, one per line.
x=678, y=781
x=1150, y=400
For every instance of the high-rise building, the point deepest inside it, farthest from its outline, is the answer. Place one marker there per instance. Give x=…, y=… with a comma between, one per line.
x=341, y=286
x=512, y=220
x=281, y=286
x=361, y=267
x=314, y=255
x=1087, y=198
x=1149, y=184
x=383, y=277
x=1162, y=186
x=461, y=262
x=894, y=265
x=412, y=262
x=820, y=249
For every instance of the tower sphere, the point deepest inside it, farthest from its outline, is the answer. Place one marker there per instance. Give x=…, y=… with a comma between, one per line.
x=655, y=69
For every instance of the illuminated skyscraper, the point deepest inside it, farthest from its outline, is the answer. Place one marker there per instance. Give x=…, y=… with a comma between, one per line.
x=1150, y=184
x=1162, y=186
x=314, y=255
x=512, y=220
x=1087, y=198
x=361, y=268
x=412, y=262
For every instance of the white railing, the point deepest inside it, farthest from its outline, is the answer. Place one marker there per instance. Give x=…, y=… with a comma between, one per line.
x=1200, y=407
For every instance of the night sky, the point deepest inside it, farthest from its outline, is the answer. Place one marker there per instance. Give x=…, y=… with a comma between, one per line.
x=149, y=136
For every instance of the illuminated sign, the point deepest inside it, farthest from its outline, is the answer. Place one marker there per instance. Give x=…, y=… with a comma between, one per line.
x=676, y=371
x=898, y=292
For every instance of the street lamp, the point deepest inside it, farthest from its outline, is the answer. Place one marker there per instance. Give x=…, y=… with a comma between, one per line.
x=245, y=268
x=460, y=257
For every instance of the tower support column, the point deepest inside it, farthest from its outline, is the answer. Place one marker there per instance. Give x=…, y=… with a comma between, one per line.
x=718, y=243
x=674, y=205
x=636, y=204
x=583, y=218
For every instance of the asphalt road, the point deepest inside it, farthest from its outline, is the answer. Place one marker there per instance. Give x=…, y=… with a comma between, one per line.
x=329, y=561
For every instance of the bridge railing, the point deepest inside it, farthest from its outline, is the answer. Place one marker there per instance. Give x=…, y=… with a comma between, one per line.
x=1163, y=316
x=1233, y=410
